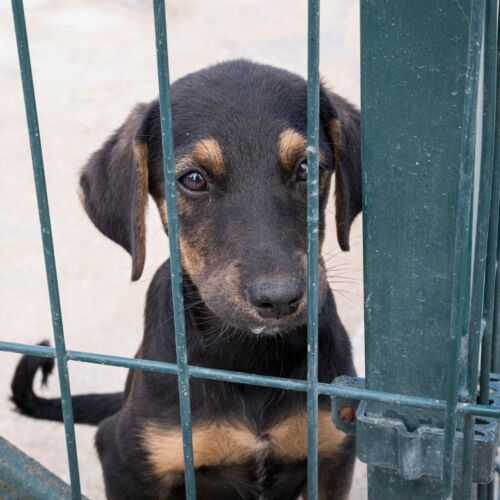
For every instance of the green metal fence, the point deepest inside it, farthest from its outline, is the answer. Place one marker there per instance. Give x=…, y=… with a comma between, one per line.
x=432, y=311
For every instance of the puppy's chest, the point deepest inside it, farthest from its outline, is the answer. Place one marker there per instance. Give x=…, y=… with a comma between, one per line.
x=235, y=441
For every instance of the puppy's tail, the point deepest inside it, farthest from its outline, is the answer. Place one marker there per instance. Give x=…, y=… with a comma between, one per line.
x=87, y=409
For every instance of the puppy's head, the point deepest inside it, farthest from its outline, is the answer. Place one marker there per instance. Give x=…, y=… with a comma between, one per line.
x=241, y=166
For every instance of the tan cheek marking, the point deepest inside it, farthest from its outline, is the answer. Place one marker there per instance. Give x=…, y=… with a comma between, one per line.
x=216, y=444
x=208, y=153
x=192, y=259
x=289, y=438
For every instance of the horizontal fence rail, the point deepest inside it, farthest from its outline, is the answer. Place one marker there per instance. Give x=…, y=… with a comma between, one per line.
x=251, y=379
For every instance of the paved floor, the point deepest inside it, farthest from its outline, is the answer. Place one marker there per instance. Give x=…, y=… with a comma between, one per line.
x=92, y=60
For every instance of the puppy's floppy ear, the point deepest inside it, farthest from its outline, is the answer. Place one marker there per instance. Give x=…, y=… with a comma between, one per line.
x=114, y=186
x=343, y=128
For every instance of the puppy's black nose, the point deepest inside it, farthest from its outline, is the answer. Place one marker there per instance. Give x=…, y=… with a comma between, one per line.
x=274, y=298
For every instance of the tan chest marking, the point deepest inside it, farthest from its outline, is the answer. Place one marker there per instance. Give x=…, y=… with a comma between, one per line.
x=223, y=444
x=214, y=444
x=289, y=438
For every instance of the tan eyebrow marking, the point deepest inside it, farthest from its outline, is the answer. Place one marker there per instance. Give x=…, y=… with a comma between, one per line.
x=293, y=146
x=208, y=153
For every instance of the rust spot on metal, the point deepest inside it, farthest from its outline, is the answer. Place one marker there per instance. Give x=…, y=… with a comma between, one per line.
x=347, y=413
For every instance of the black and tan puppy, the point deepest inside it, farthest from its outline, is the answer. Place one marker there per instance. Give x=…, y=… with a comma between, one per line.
x=240, y=150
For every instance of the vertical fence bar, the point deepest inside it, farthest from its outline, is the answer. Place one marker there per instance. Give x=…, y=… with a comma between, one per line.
x=481, y=245
x=496, y=316
x=491, y=271
x=490, y=297
x=491, y=289
x=48, y=244
x=173, y=230
x=490, y=313
x=312, y=246
x=460, y=300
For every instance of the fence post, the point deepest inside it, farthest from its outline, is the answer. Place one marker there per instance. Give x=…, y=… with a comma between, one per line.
x=414, y=64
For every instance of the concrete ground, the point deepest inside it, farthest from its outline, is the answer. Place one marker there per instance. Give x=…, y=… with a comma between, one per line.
x=93, y=60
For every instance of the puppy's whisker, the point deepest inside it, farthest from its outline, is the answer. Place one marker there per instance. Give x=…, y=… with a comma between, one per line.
x=343, y=268
x=353, y=241
x=343, y=276
x=346, y=292
x=170, y=317
x=332, y=278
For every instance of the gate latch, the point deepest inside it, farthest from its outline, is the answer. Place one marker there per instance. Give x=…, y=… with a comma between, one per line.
x=384, y=440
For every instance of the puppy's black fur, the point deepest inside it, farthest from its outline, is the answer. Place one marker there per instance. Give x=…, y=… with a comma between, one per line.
x=239, y=134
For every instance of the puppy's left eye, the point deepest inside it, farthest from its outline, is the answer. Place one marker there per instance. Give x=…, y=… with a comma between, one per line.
x=302, y=169
x=302, y=172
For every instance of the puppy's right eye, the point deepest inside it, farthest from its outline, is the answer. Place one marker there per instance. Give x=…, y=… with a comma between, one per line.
x=194, y=181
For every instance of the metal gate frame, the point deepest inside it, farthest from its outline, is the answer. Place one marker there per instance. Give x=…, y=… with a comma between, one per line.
x=392, y=400
x=430, y=272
